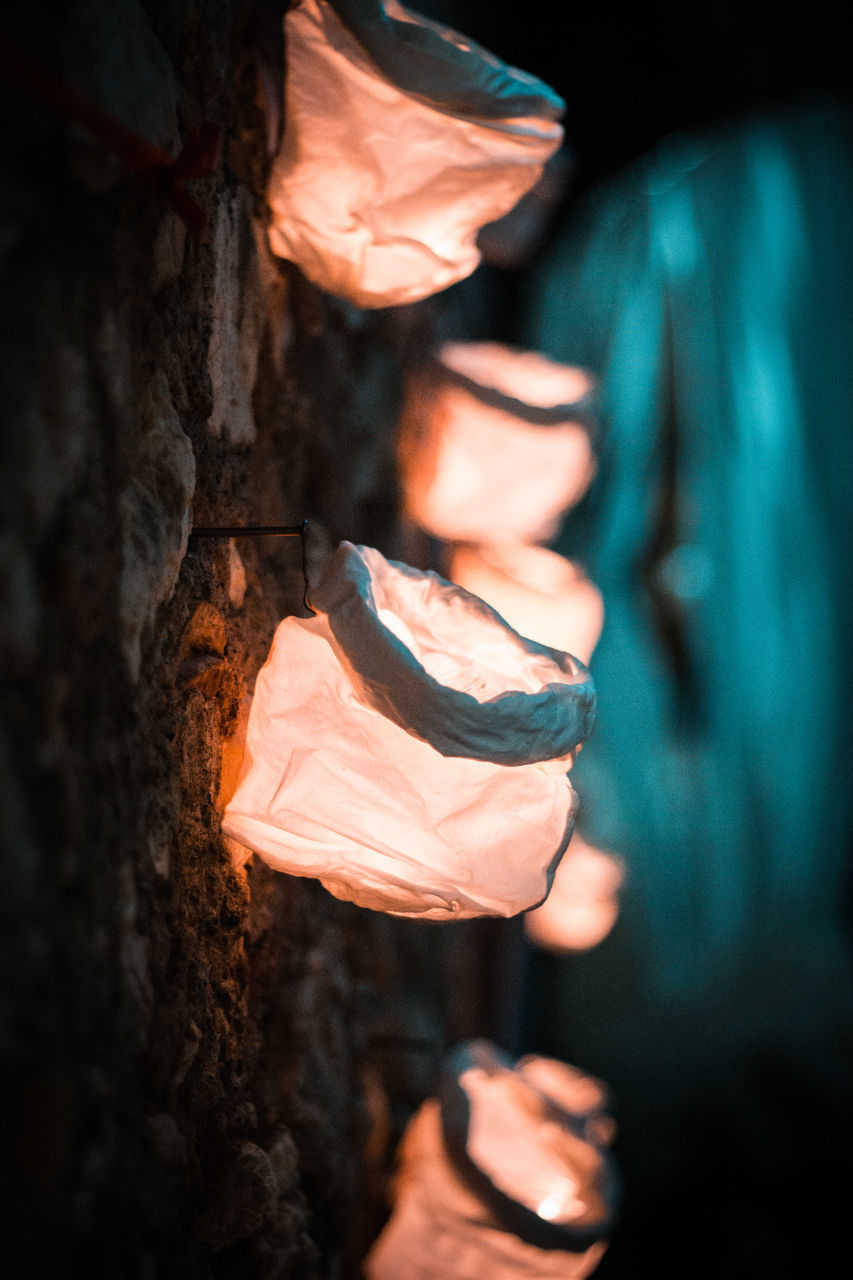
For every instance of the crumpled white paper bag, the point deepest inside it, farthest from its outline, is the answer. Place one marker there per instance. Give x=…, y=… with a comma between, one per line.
x=402, y=139
x=409, y=749
x=494, y=444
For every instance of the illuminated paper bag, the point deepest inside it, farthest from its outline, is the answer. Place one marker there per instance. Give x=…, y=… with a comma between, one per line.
x=583, y=903
x=545, y=596
x=538, y=592
x=537, y=1131
x=531, y=1141
x=409, y=749
x=494, y=444
x=402, y=139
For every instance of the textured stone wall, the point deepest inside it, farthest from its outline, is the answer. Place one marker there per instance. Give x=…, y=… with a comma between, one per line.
x=205, y=1064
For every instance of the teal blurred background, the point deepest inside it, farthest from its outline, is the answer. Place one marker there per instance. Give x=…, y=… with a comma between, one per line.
x=711, y=287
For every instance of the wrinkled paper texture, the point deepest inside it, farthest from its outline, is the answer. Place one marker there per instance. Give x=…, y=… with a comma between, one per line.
x=402, y=139
x=409, y=749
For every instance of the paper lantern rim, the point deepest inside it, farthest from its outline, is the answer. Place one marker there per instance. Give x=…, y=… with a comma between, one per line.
x=437, y=64
x=516, y=379
x=514, y=727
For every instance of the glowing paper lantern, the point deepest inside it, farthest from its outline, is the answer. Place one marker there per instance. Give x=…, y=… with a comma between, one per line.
x=539, y=593
x=409, y=749
x=545, y=596
x=499, y=1177
x=583, y=903
x=525, y=1148
x=402, y=139
x=494, y=444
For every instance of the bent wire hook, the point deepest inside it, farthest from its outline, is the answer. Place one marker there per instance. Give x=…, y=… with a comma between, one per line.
x=264, y=531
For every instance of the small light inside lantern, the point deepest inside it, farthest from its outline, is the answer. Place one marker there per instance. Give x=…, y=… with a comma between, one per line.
x=564, y=1203
x=549, y=1207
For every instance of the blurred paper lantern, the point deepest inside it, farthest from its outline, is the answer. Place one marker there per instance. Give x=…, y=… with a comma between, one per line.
x=546, y=597
x=446, y=1221
x=409, y=749
x=583, y=903
x=494, y=444
x=539, y=593
x=402, y=139
x=525, y=1150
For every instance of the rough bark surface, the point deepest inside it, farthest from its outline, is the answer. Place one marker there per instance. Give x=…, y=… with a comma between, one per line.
x=205, y=1064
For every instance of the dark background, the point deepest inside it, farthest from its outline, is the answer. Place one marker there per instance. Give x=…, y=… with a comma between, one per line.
x=632, y=74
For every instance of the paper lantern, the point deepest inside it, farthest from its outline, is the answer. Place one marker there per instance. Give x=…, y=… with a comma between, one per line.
x=545, y=596
x=474, y=1192
x=402, y=139
x=539, y=593
x=583, y=903
x=409, y=749
x=494, y=444
x=528, y=1151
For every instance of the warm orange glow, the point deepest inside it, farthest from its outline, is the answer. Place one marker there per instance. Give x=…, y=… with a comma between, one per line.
x=399, y=146
x=409, y=749
x=233, y=748
x=476, y=470
x=539, y=593
x=583, y=904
